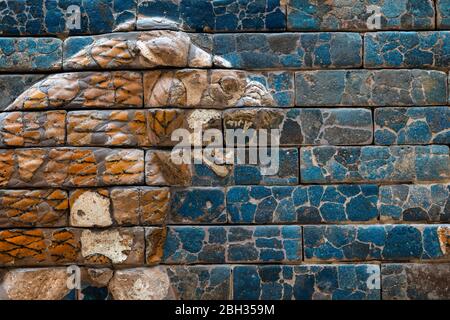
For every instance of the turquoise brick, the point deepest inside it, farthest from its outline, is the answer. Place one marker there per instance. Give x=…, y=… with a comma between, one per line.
x=407, y=50
x=48, y=17
x=234, y=244
x=370, y=88
x=374, y=164
x=376, y=242
x=306, y=282
x=443, y=14
x=290, y=50
x=197, y=205
x=302, y=204
x=415, y=203
x=212, y=16
x=30, y=54
x=354, y=14
x=415, y=125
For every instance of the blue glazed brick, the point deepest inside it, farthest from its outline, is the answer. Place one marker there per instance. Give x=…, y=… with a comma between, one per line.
x=302, y=204
x=48, y=17
x=416, y=125
x=354, y=14
x=422, y=203
x=374, y=164
x=408, y=281
x=287, y=173
x=30, y=54
x=290, y=50
x=197, y=205
x=370, y=88
x=12, y=86
x=214, y=244
x=304, y=126
x=443, y=14
x=285, y=164
x=212, y=16
x=407, y=50
x=376, y=242
x=306, y=282
x=200, y=282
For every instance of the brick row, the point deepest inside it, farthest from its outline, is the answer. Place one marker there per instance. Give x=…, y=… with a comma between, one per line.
x=224, y=244
x=98, y=167
x=43, y=18
x=67, y=246
x=221, y=89
x=164, y=48
x=158, y=127
x=118, y=206
x=270, y=282
x=314, y=204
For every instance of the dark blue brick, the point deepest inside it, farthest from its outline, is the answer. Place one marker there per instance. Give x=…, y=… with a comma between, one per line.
x=306, y=282
x=290, y=50
x=443, y=14
x=376, y=242
x=197, y=205
x=302, y=204
x=48, y=17
x=374, y=164
x=212, y=16
x=407, y=50
x=370, y=88
x=240, y=244
x=354, y=14
x=410, y=203
x=416, y=125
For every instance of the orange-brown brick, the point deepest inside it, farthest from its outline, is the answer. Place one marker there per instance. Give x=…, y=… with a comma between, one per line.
x=33, y=208
x=23, y=129
x=39, y=247
x=119, y=89
x=70, y=167
x=107, y=128
x=154, y=238
x=142, y=205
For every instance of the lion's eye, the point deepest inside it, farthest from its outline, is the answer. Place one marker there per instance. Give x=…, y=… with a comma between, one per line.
x=229, y=84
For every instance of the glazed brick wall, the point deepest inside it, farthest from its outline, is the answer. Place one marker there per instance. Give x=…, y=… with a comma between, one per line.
x=360, y=205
